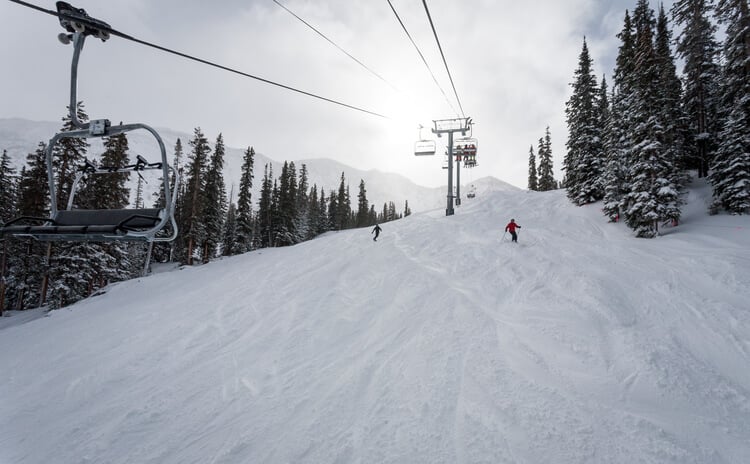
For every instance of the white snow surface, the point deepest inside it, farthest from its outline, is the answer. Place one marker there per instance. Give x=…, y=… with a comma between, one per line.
x=439, y=343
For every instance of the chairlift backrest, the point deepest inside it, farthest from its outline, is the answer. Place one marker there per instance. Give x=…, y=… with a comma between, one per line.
x=140, y=224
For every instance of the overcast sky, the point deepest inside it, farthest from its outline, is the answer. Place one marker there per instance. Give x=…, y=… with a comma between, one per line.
x=511, y=62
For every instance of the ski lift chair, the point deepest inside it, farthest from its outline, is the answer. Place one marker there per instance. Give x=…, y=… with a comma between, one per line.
x=469, y=150
x=424, y=148
x=139, y=224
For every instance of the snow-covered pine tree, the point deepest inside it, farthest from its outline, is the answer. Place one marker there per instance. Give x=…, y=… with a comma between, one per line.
x=363, y=207
x=110, y=191
x=392, y=213
x=265, y=213
x=139, y=201
x=66, y=259
x=313, y=213
x=731, y=173
x=546, y=177
x=193, y=226
x=229, y=238
x=343, y=207
x=324, y=224
x=79, y=268
x=407, y=211
x=697, y=47
x=67, y=155
x=533, y=183
x=616, y=144
x=583, y=162
x=333, y=208
x=669, y=99
x=302, y=221
x=7, y=189
x=161, y=251
x=652, y=197
x=287, y=206
x=614, y=175
x=244, y=203
x=275, y=216
x=26, y=257
x=214, y=202
x=8, y=185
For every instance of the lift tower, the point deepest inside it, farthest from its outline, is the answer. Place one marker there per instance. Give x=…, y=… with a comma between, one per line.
x=451, y=126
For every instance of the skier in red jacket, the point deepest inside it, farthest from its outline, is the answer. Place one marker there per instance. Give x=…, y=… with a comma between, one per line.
x=511, y=227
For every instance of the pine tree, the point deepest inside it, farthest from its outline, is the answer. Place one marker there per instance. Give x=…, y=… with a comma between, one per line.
x=265, y=224
x=343, y=206
x=699, y=50
x=324, y=223
x=26, y=257
x=652, y=197
x=302, y=221
x=533, y=182
x=193, y=226
x=407, y=211
x=616, y=144
x=66, y=260
x=731, y=175
x=214, y=202
x=276, y=226
x=7, y=189
x=286, y=233
x=313, y=213
x=615, y=173
x=67, y=154
x=110, y=190
x=7, y=212
x=583, y=162
x=244, y=203
x=333, y=210
x=392, y=214
x=546, y=177
x=229, y=238
x=80, y=268
x=161, y=251
x=669, y=98
x=363, y=207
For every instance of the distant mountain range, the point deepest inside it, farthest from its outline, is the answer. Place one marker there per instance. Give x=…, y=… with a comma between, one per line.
x=20, y=137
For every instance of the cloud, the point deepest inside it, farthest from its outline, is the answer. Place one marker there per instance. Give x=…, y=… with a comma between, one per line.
x=511, y=63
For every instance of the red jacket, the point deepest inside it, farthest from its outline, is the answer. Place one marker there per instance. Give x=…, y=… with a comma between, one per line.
x=511, y=227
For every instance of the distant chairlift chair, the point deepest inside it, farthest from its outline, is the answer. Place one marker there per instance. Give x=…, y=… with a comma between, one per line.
x=143, y=224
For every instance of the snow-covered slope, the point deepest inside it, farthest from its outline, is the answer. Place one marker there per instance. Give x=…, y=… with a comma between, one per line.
x=20, y=137
x=439, y=343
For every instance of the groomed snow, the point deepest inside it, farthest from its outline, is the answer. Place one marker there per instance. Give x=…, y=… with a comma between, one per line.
x=440, y=343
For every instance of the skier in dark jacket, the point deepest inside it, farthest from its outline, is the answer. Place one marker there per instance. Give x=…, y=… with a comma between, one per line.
x=511, y=227
x=377, y=230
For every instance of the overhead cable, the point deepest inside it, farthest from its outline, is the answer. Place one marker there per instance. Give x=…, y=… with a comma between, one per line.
x=427, y=10
x=336, y=45
x=421, y=56
x=193, y=58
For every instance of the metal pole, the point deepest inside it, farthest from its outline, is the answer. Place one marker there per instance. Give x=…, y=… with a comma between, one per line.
x=449, y=209
x=147, y=264
x=458, y=182
x=2, y=277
